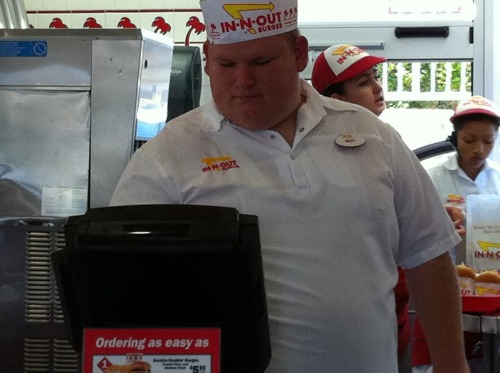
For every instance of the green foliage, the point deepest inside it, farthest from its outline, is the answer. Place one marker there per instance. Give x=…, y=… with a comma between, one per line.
x=422, y=104
x=403, y=71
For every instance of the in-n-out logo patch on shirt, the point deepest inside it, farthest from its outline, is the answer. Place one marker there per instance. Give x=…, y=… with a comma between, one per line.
x=455, y=198
x=223, y=163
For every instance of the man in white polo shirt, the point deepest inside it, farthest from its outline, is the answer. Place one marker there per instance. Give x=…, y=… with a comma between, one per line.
x=340, y=199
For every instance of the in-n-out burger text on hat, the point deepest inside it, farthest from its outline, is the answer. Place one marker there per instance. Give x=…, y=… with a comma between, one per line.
x=345, y=53
x=236, y=21
x=261, y=23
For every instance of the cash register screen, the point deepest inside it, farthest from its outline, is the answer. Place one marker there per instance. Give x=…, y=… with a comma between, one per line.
x=167, y=266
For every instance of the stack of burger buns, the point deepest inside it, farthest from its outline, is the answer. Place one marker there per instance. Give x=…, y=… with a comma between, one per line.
x=486, y=283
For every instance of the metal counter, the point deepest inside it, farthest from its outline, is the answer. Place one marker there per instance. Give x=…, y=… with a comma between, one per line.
x=490, y=326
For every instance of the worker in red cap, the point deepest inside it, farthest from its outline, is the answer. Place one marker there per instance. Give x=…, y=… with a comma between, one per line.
x=349, y=73
x=468, y=171
x=464, y=172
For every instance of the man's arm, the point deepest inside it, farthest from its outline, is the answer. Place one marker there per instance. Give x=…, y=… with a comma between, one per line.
x=435, y=293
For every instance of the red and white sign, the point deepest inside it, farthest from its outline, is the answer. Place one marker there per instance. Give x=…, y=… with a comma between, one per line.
x=193, y=350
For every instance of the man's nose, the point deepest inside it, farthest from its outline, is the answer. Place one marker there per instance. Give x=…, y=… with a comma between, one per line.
x=245, y=76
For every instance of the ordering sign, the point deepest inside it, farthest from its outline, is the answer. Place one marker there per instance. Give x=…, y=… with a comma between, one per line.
x=193, y=350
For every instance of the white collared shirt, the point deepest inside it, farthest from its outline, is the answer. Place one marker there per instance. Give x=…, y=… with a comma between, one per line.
x=335, y=221
x=453, y=184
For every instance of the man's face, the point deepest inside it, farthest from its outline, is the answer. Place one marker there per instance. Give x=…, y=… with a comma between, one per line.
x=255, y=84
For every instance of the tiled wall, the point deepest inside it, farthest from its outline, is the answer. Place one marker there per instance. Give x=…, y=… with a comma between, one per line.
x=181, y=20
x=177, y=13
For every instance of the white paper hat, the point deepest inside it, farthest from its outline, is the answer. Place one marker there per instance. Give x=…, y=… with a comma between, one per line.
x=229, y=21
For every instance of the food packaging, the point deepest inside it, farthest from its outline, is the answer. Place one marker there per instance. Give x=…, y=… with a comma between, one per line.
x=483, y=232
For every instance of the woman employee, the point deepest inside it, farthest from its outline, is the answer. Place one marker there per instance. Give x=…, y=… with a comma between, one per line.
x=467, y=171
x=348, y=73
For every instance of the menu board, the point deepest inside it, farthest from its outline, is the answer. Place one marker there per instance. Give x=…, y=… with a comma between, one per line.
x=162, y=350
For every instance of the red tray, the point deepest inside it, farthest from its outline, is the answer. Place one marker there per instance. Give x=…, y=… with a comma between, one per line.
x=480, y=303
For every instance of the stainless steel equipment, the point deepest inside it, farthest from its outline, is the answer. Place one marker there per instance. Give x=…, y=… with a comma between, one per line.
x=33, y=337
x=71, y=106
x=13, y=14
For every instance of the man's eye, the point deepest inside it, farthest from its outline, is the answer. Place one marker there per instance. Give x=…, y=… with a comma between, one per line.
x=262, y=62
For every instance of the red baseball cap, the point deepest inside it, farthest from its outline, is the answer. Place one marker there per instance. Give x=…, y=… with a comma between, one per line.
x=339, y=63
x=476, y=105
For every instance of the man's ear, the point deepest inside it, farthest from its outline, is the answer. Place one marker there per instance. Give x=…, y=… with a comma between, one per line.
x=338, y=96
x=206, y=47
x=301, y=53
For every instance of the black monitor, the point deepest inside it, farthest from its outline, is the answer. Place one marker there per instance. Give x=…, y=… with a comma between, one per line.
x=202, y=262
